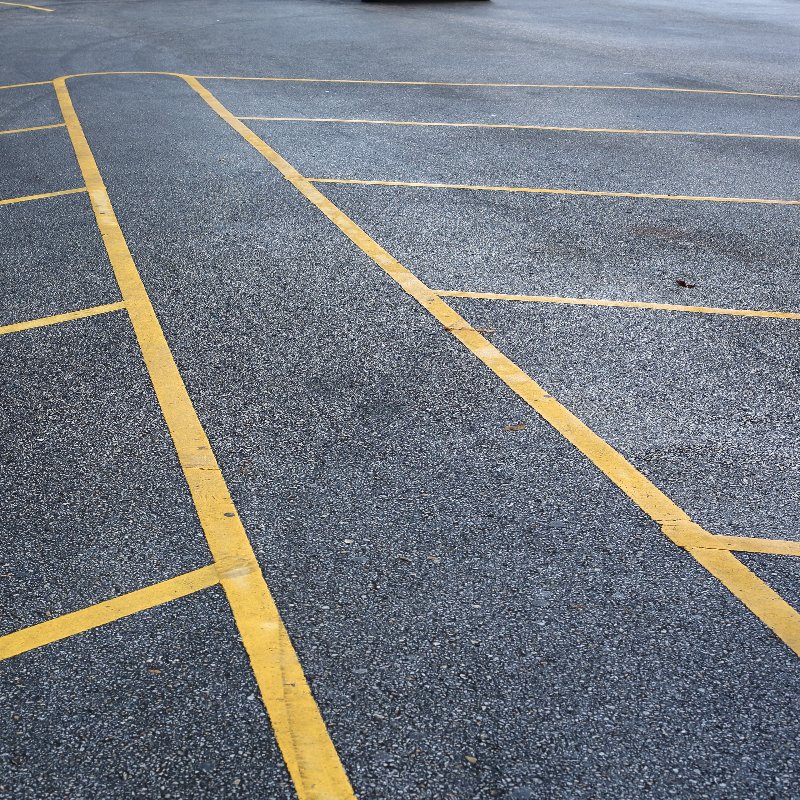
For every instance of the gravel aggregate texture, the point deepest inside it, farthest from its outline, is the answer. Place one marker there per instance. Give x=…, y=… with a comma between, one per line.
x=479, y=612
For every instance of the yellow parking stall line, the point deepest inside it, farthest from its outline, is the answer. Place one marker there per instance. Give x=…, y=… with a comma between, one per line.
x=510, y=126
x=21, y=85
x=674, y=522
x=58, y=318
x=542, y=190
x=25, y=5
x=34, y=128
x=754, y=544
x=599, y=87
x=54, y=630
x=310, y=756
x=590, y=301
x=26, y=198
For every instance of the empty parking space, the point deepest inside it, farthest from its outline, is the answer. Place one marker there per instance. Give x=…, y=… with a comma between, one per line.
x=25, y=107
x=163, y=703
x=575, y=161
x=736, y=255
x=636, y=110
x=37, y=162
x=53, y=260
x=93, y=503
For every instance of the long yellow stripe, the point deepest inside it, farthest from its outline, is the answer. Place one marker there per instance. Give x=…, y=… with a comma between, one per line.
x=25, y=5
x=34, y=128
x=589, y=301
x=21, y=85
x=54, y=630
x=420, y=83
x=541, y=190
x=310, y=756
x=676, y=524
x=508, y=126
x=502, y=85
x=753, y=544
x=26, y=198
x=58, y=318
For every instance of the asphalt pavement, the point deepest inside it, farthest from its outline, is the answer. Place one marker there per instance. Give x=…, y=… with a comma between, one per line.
x=479, y=593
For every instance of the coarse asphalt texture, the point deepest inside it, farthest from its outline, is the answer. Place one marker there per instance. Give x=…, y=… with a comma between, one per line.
x=478, y=610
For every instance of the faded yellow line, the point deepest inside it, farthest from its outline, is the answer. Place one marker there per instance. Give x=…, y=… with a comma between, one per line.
x=25, y=5
x=308, y=751
x=540, y=190
x=20, y=85
x=509, y=126
x=589, y=301
x=28, y=197
x=58, y=318
x=676, y=524
x=54, y=630
x=34, y=128
x=504, y=85
x=753, y=544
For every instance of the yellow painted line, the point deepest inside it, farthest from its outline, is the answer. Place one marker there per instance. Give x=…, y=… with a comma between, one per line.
x=540, y=190
x=28, y=197
x=34, y=128
x=589, y=301
x=753, y=544
x=54, y=630
x=311, y=759
x=503, y=85
x=509, y=126
x=20, y=85
x=25, y=5
x=676, y=524
x=58, y=318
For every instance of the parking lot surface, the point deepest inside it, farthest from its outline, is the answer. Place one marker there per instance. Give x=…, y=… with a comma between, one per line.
x=398, y=399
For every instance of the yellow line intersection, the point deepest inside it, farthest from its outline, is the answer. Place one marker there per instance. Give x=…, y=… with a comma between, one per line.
x=54, y=630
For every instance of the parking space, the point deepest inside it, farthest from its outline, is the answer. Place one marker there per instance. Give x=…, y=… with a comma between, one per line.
x=29, y=107
x=696, y=401
x=37, y=162
x=135, y=709
x=631, y=108
x=621, y=249
x=572, y=161
x=93, y=502
x=398, y=439
x=53, y=259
